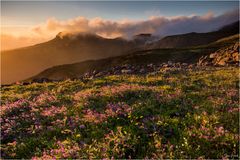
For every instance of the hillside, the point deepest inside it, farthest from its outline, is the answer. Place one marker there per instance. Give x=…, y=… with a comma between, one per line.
x=174, y=113
x=195, y=39
x=21, y=63
x=120, y=80
x=148, y=104
x=138, y=59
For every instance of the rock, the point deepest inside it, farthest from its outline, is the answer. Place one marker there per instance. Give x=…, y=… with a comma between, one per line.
x=170, y=63
x=203, y=61
x=178, y=64
x=165, y=65
x=25, y=83
x=150, y=65
x=236, y=47
x=153, y=73
x=86, y=74
x=41, y=80
x=165, y=69
x=126, y=71
x=190, y=66
x=235, y=56
x=213, y=55
x=142, y=70
x=221, y=63
x=223, y=56
x=116, y=72
x=91, y=77
x=17, y=83
x=126, y=66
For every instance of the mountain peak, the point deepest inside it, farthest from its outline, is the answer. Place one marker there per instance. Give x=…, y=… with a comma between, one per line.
x=143, y=35
x=76, y=35
x=145, y=38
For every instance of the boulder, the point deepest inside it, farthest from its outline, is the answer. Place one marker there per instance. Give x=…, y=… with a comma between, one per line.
x=235, y=56
x=126, y=71
x=170, y=63
x=222, y=57
x=213, y=55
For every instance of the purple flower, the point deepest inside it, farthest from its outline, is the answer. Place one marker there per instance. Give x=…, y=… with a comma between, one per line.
x=82, y=126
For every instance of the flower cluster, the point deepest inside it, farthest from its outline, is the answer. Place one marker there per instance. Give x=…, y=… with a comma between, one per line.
x=64, y=150
x=17, y=105
x=53, y=110
x=112, y=90
x=44, y=99
x=168, y=116
x=111, y=110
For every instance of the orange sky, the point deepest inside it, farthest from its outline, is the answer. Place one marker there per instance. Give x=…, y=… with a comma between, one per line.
x=19, y=36
x=16, y=36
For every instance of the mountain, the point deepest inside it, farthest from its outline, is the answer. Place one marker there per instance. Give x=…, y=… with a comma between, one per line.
x=145, y=38
x=21, y=63
x=195, y=39
x=138, y=60
x=68, y=48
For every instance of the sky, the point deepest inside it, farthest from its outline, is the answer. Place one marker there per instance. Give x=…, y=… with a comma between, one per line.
x=32, y=22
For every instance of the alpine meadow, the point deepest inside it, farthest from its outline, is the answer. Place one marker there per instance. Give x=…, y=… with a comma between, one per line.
x=119, y=80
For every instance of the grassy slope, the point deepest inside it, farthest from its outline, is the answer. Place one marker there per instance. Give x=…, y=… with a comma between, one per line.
x=223, y=42
x=178, y=114
x=196, y=39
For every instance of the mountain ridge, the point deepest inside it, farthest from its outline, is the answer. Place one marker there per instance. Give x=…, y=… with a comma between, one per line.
x=18, y=64
x=138, y=58
x=195, y=39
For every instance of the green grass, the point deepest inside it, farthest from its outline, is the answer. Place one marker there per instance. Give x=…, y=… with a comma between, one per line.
x=188, y=114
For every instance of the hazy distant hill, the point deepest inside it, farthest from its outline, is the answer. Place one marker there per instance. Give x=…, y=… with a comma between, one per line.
x=21, y=63
x=195, y=39
x=25, y=62
x=155, y=56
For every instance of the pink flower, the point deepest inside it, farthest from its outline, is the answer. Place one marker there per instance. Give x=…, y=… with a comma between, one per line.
x=82, y=126
x=112, y=110
x=19, y=104
x=220, y=131
x=53, y=110
x=231, y=110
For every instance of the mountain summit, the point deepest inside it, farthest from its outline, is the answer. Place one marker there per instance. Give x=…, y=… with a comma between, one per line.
x=63, y=49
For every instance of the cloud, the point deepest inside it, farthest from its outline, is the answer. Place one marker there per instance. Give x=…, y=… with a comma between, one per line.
x=158, y=25
x=9, y=41
x=19, y=36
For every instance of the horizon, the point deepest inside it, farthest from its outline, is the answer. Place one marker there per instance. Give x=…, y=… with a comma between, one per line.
x=22, y=26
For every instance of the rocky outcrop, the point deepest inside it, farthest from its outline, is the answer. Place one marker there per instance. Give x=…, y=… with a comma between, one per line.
x=222, y=57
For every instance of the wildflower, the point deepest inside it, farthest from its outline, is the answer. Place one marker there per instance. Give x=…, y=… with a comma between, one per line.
x=82, y=126
x=231, y=110
x=53, y=110
x=220, y=131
